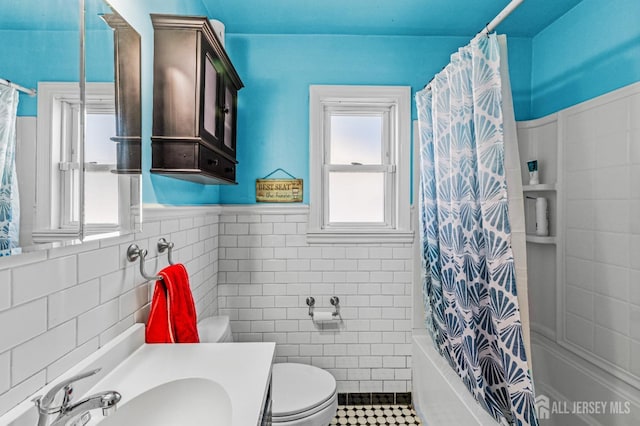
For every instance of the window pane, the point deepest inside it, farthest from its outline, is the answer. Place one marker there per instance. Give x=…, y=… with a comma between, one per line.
x=98, y=147
x=101, y=187
x=356, y=139
x=101, y=197
x=356, y=197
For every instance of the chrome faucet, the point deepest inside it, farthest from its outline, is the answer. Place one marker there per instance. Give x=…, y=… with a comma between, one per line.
x=106, y=400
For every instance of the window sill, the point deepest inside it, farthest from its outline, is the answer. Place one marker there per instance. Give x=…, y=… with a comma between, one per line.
x=366, y=237
x=41, y=236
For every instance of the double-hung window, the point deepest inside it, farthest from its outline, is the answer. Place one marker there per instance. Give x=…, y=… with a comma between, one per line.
x=100, y=183
x=58, y=212
x=359, y=163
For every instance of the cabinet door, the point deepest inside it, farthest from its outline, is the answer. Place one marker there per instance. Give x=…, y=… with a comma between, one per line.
x=229, y=109
x=211, y=126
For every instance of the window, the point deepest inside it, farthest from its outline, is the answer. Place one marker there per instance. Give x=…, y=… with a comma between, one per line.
x=102, y=197
x=59, y=151
x=359, y=163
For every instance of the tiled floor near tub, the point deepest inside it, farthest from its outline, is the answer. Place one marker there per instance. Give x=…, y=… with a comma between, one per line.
x=375, y=409
x=375, y=415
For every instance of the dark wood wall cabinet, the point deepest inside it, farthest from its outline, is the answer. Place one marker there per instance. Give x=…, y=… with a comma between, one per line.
x=195, y=92
x=126, y=48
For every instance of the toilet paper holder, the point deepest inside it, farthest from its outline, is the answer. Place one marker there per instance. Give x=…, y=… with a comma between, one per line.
x=335, y=301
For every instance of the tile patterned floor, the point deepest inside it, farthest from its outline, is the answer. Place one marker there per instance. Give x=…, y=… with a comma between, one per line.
x=375, y=415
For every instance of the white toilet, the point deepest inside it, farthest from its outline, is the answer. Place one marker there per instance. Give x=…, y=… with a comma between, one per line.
x=302, y=395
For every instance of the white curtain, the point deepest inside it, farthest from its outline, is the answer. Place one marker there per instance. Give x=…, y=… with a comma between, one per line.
x=9, y=200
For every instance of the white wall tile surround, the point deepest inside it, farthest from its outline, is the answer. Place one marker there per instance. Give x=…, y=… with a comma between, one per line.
x=601, y=228
x=586, y=312
x=267, y=270
x=60, y=305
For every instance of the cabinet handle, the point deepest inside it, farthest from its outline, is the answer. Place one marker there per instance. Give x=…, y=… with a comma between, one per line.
x=214, y=162
x=229, y=169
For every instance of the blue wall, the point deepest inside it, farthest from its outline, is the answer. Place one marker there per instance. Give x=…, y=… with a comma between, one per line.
x=46, y=47
x=27, y=57
x=273, y=107
x=591, y=50
x=273, y=115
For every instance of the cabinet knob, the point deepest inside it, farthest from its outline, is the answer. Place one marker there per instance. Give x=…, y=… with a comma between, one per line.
x=226, y=110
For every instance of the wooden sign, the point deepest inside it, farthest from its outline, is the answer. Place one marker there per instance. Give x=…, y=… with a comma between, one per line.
x=279, y=190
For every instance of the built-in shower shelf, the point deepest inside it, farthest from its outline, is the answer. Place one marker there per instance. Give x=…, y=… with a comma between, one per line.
x=537, y=239
x=539, y=187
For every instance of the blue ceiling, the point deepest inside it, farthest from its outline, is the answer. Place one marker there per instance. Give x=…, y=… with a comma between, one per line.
x=383, y=17
x=357, y=17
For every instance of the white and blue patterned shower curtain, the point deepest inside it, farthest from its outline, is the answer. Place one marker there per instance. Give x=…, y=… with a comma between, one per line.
x=9, y=201
x=470, y=280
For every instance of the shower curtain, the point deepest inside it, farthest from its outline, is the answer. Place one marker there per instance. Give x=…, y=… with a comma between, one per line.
x=469, y=287
x=9, y=201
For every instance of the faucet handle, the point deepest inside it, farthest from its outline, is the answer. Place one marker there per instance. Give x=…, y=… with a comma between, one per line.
x=44, y=403
x=67, y=395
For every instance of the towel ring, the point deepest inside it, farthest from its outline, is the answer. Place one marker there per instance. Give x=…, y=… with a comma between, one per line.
x=163, y=245
x=134, y=253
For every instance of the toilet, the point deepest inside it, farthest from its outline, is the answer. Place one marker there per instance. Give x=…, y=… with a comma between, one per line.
x=302, y=395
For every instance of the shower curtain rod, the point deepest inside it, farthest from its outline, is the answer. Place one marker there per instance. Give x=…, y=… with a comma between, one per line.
x=492, y=25
x=30, y=92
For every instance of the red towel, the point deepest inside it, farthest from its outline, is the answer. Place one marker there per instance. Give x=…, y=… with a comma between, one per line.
x=173, y=314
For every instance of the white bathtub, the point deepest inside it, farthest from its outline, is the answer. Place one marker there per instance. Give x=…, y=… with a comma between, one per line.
x=439, y=396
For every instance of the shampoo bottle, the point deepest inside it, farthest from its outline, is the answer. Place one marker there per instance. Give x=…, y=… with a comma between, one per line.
x=533, y=172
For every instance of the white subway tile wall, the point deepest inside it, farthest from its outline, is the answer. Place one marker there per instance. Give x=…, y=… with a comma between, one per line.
x=601, y=166
x=5, y=290
x=5, y=367
x=267, y=270
x=60, y=305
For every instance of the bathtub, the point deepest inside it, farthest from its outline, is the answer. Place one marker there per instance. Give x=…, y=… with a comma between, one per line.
x=439, y=396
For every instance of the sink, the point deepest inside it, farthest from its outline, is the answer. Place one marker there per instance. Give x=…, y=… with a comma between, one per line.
x=223, y=384
x=189, y=401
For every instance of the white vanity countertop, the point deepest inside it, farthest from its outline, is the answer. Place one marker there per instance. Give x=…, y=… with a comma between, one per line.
x=242, y=369
x=131, y=367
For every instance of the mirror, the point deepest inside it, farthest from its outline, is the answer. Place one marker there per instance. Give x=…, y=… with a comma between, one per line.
x=40, y=43
x=112, y=123
x=77, y=163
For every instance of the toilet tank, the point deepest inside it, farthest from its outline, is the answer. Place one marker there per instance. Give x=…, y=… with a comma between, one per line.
x=214, y=330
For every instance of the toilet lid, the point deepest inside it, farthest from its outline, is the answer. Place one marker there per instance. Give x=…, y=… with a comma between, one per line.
x=298, y=388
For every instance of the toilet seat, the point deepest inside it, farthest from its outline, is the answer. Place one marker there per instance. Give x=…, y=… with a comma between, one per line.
x=302, y=393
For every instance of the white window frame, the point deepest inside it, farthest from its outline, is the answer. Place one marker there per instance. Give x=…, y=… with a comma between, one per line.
x=395, y=103
x=57, y=102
